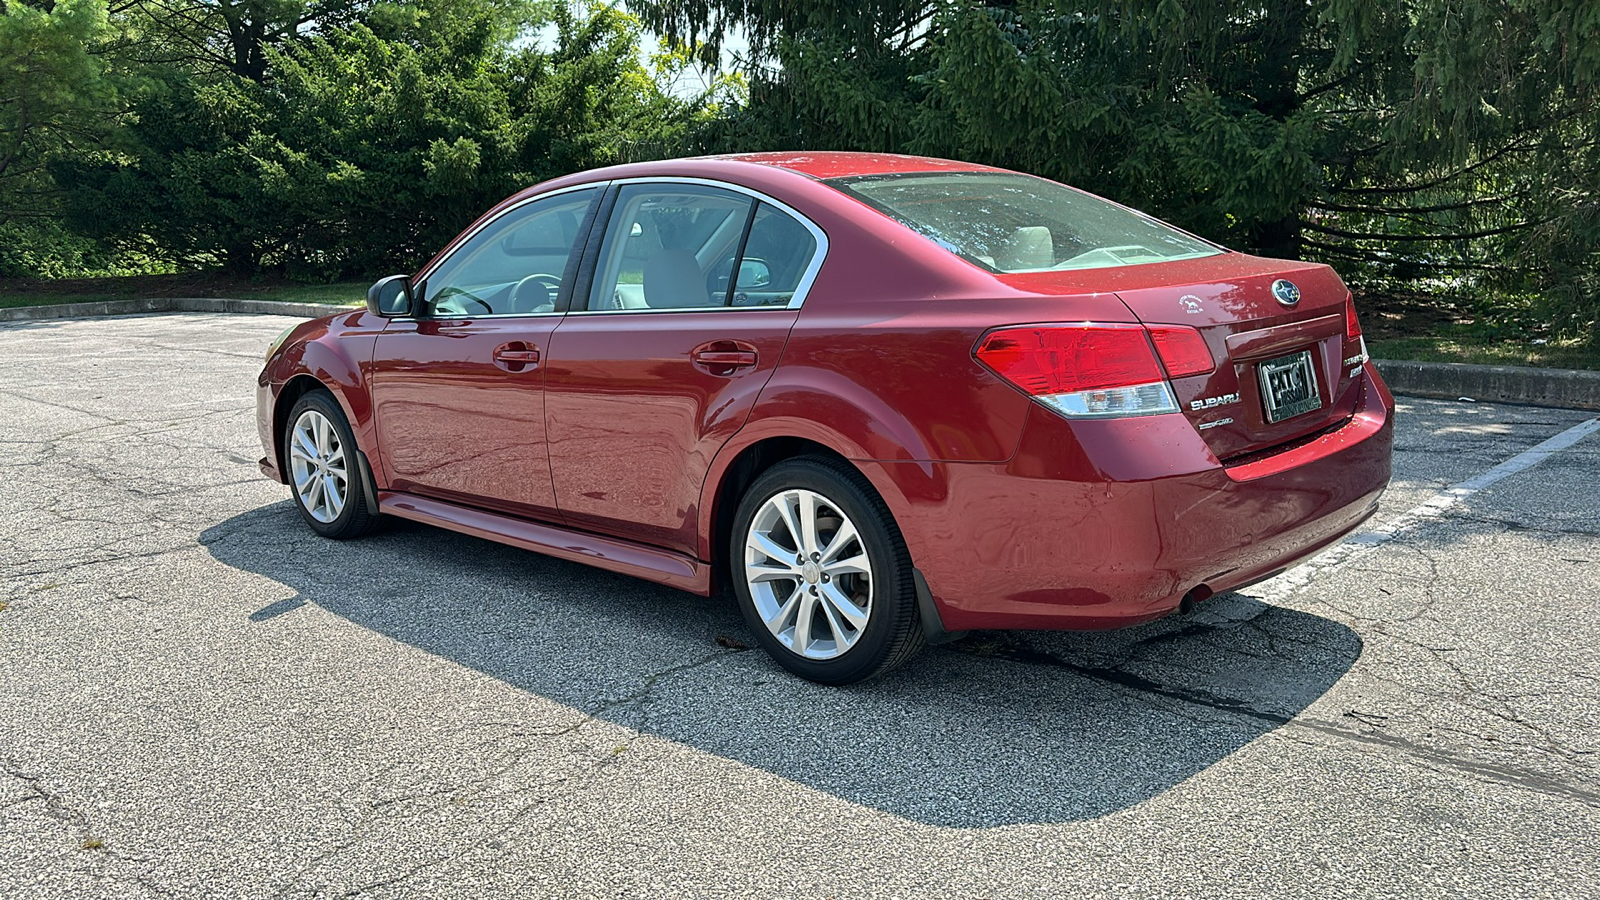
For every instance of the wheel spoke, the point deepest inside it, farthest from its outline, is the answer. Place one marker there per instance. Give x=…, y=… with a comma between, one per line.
x=330, y=493
x=306, y=441
x=337, y=472
x=786, y=513
x=296, y=452
x=324, y=443
x=771, y=548
x=779, y=620
x=840, y=641
x=835, y=600
x=337, y=456
x=802, y=622
x=841, y=540
x=808, y=522
x=758, y=573
x=313, y=494
x=855, y=565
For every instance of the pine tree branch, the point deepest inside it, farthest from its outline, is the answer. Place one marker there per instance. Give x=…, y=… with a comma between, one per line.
x=1389, y=211
x=1421, y=238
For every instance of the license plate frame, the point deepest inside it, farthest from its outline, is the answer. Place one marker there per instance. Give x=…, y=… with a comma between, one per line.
x=1288, y=386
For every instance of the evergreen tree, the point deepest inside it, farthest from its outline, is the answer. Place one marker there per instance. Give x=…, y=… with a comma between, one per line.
x=1434, y=139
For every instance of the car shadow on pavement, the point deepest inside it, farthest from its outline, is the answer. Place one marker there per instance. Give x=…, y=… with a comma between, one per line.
x=997, y=729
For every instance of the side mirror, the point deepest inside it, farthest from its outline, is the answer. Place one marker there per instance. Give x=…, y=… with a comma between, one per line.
x=390, y=297
x=753, y=273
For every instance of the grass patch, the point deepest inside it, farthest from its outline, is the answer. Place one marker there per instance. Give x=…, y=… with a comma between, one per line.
x=349, y=293
x=16, y=292
x=1484, y=351
x=1435, y=328
x=7, y=301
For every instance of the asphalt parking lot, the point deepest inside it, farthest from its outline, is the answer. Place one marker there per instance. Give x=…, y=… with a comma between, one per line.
x=200, y=697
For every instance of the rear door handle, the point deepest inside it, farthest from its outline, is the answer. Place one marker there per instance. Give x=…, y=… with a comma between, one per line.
x=736, y=358
x=723, y=357
x=516, y=356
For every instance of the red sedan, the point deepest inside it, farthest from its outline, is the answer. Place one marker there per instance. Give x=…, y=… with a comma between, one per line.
x=885, y=399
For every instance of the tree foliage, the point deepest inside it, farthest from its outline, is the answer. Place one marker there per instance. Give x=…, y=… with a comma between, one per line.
x=343, y=138
x=1428, y=143
x=1439, y=145
x=55, y=101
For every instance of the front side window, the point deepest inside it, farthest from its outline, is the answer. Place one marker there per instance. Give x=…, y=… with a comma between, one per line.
x=515, y=265
x=669, y=246
x=1008, y=222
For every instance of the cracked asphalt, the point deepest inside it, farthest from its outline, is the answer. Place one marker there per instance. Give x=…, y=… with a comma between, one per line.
x=198, y=697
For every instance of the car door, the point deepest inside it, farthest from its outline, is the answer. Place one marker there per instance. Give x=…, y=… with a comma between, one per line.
x=660, y=361
x=458, y=388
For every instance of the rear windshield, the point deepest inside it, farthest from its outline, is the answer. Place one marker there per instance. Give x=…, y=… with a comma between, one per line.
x=1008, y=222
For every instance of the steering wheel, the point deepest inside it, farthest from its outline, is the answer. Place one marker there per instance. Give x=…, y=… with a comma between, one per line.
x=551, y=284
x=444, y=305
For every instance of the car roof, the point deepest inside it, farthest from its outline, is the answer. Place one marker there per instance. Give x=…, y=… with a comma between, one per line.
x=841, y=164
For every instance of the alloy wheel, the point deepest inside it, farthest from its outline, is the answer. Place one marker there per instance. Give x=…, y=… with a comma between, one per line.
x=808, y=573
x=317, y=464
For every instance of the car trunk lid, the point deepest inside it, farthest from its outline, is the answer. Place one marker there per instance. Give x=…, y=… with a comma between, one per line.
x=1285, y=367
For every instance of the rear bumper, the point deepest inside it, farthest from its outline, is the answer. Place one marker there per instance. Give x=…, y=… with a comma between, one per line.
x=1099, y=524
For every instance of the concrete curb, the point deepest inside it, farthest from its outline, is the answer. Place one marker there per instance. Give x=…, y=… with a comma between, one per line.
x=168, y=304
x=1564, y=388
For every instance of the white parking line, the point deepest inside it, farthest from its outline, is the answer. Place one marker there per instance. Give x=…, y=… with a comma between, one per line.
x=1282, y=586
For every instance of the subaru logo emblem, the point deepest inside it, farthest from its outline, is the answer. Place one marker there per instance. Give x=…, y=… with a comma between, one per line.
x=1286, y=292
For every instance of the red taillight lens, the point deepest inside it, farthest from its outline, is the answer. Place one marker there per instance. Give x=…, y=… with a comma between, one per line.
x=1352, y=325
x=1082, y=371
x=1061, y=359
x=1183, y=351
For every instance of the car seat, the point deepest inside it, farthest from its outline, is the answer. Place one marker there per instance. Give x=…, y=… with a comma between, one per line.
x=1029, y=247
x=673, y=280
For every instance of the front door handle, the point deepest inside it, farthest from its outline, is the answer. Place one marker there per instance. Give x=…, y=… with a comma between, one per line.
x=516, y=356
x=723, y=357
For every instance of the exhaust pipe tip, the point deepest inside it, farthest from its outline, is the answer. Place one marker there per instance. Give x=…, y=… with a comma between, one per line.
x=1192, y=599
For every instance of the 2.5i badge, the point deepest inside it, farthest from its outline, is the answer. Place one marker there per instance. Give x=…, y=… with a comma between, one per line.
x=1213, y=402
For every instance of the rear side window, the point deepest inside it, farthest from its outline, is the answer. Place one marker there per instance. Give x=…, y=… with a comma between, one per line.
x=1007, y=222
x=776, y=256
x=669, y=246
x=677, y=245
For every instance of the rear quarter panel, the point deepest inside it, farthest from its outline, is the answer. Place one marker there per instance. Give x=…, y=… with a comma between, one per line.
x=879, y=366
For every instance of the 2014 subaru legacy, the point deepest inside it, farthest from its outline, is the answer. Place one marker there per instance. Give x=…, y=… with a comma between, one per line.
x=885, y=399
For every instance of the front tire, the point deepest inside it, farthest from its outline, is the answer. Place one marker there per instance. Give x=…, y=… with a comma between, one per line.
x=822, y=573
x=323, y=466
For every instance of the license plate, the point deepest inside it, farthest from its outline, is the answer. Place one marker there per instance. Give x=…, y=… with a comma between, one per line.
x=1289, y=386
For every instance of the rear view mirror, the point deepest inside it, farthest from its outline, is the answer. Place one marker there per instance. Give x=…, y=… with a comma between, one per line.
x=754, y=274
x=390, y=296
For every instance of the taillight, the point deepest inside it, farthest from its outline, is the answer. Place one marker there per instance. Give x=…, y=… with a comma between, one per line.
x=1352, y=333
x=1082, y=371
x=1183, y=351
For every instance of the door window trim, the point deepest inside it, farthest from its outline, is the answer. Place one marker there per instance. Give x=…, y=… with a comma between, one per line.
x=578, y=305
x=568, y=276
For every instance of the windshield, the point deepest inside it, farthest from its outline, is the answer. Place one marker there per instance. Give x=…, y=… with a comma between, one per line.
x=1008, y=222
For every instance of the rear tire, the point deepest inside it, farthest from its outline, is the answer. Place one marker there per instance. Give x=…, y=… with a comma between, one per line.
x=834, y=603
x=323, y=466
